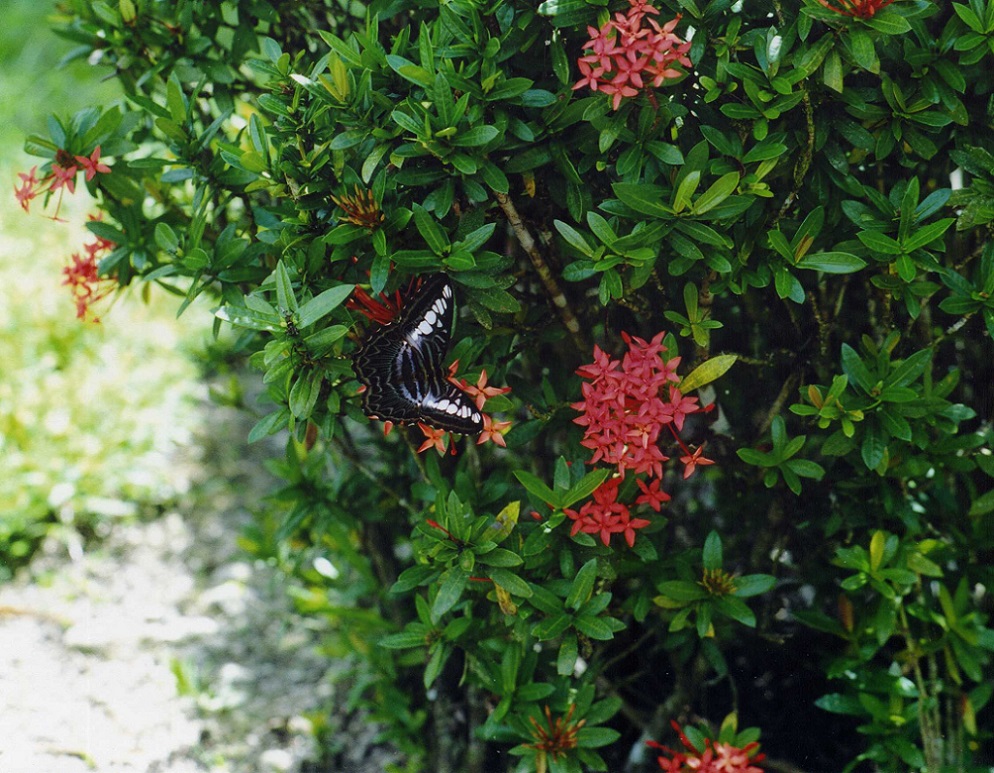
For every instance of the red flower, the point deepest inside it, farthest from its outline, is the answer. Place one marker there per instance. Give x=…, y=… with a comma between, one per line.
x=715, y=758
x=652, y=495
x=435, y=438
x=493, y=431
x=92, y=164
x=605, y=515
x=30, y=188
x=691, y=461
x=83, y=278
x=64, y=176
x=383, y=311
x=623, y=410
x=480, y=392
x=862, y=9
x=630, y=53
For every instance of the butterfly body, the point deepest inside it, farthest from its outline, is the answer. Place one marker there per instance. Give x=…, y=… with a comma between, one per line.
x=401, y=365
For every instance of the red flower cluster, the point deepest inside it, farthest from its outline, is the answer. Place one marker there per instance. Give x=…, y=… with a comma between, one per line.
x=65, y=167
x=84, y=281
x=605, y=515
x=626, y=404
x=631, y=52
x=716, y=757
x=861, y=9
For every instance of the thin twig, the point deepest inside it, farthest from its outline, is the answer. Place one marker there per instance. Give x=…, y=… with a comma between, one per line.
x=528, y=244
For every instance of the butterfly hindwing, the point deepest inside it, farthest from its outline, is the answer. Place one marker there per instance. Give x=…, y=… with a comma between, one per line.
x=402, y=366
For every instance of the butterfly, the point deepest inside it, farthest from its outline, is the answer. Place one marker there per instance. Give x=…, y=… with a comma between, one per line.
x=402, y=365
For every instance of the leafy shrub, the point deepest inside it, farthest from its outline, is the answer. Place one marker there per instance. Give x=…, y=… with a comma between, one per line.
x=779, y=194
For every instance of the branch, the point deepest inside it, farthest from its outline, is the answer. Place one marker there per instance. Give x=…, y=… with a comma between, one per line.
x=552, y=289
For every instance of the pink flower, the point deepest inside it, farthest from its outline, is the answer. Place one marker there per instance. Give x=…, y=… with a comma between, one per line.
x=434, y=438
x=715, y=758
x=652, y=495
x=604, y=515
x=493, y=431
x=29, y=189
x=64, y=176
x=623, y=409
x=480, y=392
x=632, y=51
x=863, y=9
x=691, y=461
x=92, y=164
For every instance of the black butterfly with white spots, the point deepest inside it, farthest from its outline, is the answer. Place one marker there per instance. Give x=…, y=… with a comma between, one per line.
x=402, y=366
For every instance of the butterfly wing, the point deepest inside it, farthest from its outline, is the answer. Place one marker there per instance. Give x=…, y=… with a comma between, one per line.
x=401, y=365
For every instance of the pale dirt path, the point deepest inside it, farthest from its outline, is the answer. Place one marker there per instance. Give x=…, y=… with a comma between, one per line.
x=88, y=649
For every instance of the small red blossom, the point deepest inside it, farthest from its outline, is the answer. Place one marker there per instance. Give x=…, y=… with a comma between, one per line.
x=91, y=165
x=83, y=278
x=857, y=9
x=64, y=177
x=632, y=52
x=652, y=495
x=383, y=311
x=692, y=460
x=623, y=409
x=604, y=515
x=714, y=758
x=29, y=189
x=434, y=438
x=479, y=391
x=493, y=431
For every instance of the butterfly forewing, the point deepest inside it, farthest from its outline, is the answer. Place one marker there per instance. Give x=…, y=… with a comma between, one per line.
x=402, y=366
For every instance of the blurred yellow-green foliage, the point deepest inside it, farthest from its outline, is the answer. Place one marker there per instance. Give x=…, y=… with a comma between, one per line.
x=93, y=417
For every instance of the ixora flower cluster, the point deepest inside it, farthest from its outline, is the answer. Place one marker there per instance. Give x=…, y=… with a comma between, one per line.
x=632, y=52
x=715, y=758
x=627, y=404
x=82, y=275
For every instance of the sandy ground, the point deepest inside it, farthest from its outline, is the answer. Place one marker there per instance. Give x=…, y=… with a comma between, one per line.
x=164, y=650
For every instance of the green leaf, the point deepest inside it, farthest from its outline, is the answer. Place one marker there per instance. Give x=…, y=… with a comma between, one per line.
x=510, y=582
x=880, y=243
x=712, y=551
x=644, y=199
x=874, y=445
x=410, y=71
x=284, y=288
x=708, y=371
x=583, y=585
x=574, y=238
x=596, y=737
x=594, y=627
x=321, y=305
x=584, y=487
x=753, y=584
x=534, y=485
x=403, y=640
x=478, y=135
x=832, y=262
x=430, y=230
x=927, y=234
x=686, y=189
x=166, y=238
x=982, y=505
x=722, y=188
x=889, y=22
x=682, y=590
x=452, y=583
x=736, y=609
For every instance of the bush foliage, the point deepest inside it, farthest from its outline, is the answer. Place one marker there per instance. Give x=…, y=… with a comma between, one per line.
x=800, y=188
